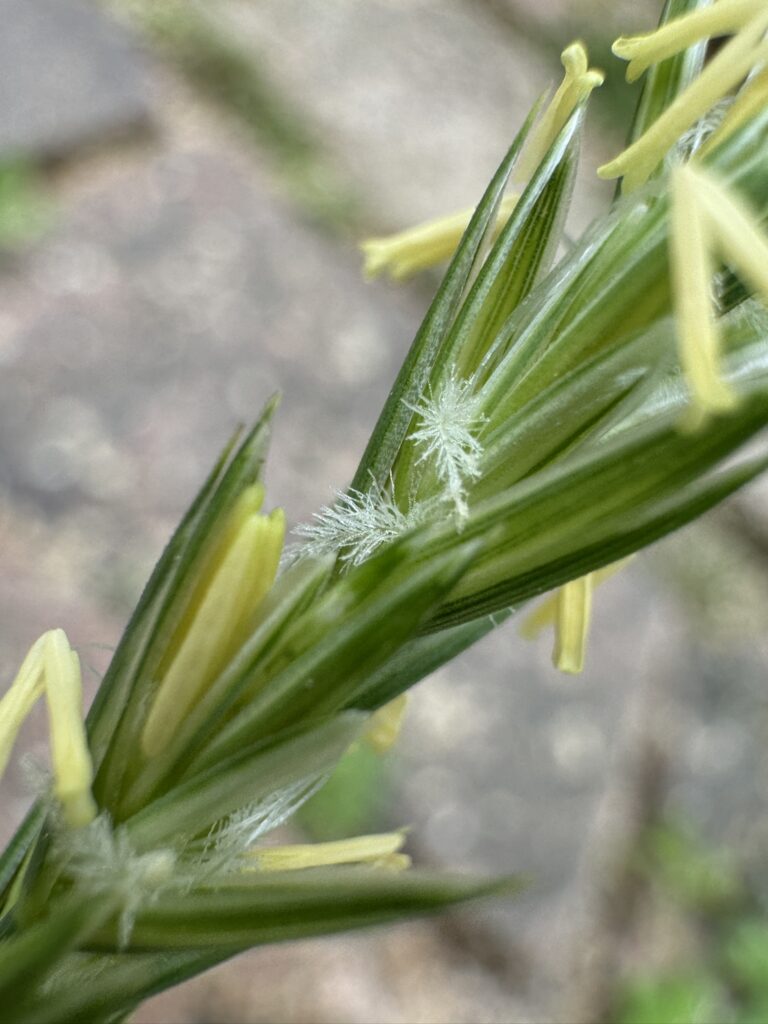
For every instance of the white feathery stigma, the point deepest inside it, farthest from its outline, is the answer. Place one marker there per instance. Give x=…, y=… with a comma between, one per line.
x=230, y=840
x=446, y=429
x=357, y=525
x=692, y=140
x=103, y=862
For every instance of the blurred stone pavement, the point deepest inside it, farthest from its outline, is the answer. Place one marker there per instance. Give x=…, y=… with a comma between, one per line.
x=181, y=283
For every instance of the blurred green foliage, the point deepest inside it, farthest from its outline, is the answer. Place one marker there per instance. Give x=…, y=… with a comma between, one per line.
x=685, y=999
x=726, y=978
x=354, y=800
x=25, y=211
x=695, y=877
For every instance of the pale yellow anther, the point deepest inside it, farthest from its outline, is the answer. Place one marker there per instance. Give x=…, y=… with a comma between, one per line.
x=433, y=242
x=578, y=82
x=384, y=727
x=19, y=699
x=574, y=612
x=750, y=101
x=721, y=19
x=244, y=572
x=706, y=220
x=425, y=245
x=377, y=850
x=52, y=668
x=692, y=269
x=568, y=610
x=70, y=756
x=745, y=51
x=393, y=862
x=246, y=506
x=737, y=231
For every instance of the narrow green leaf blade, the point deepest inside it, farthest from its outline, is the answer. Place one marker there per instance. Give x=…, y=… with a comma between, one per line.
x=391, y=428
x=170, y=587
x=30, y=955
x=521, y=255
x=569, y=411
x=271, y=907
x=288, y=599
x=579, y=501
x=257, y=772
x=15, y=852
x=329, y=654
x=617, y=537
x=419, y=658
x=115, y=688
x=105, y=988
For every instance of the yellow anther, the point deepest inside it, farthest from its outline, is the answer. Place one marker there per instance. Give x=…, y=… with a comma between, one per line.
x=378, y=850
x=722, y=19
x=20, y=698
x=425, y=245
x=745, y=51
x=707, y=219
x=569, y=611
x=246, y=506
x=693, y=269
x=751, y=101
x=71, y=758
x=243, y=573
x=574, y=611
x=52, y=668
x=578, y=82
x=385, y=724
x=736, y=230
x=393, y=862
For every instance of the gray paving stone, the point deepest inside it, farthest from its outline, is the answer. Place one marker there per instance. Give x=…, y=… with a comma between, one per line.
x=68, y=75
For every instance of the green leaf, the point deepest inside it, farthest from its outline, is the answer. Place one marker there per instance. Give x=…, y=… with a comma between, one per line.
x=250, y=910
x=420, y=657
x=568, y=412
x=612, y=285
x=744, y=364
x=615, y=538
x=392, y=425
x=359, y=623
x=740, y=160
x=117, y=715
x=97, y=989
x=257, y=907
x=289, y=597
x=534, y=528
x=256, y=772
x=521, y=254
x=29, y=956
x=112, y=695
x=16, y=851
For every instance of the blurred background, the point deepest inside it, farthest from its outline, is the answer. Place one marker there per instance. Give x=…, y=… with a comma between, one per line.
x=182, y=189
